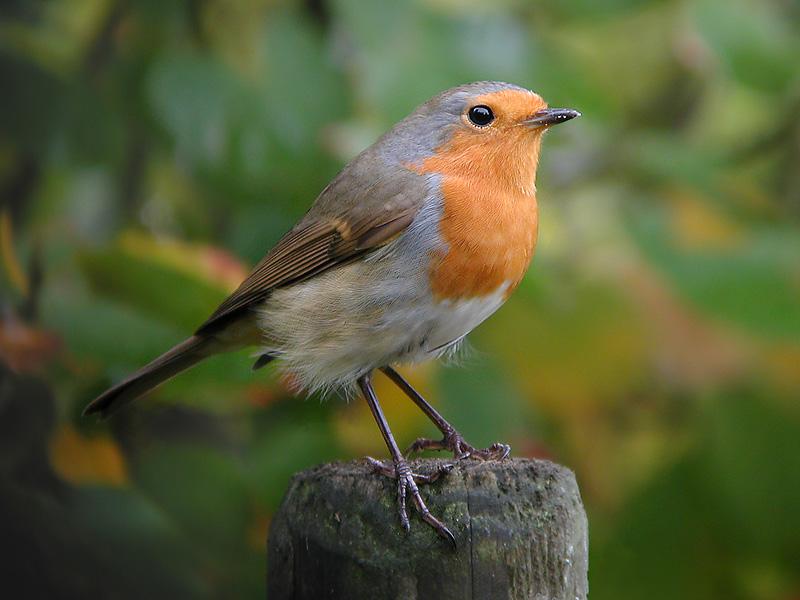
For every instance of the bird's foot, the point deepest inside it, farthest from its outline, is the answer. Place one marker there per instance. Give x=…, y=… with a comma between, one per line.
x=407, y=482
x=453, y=442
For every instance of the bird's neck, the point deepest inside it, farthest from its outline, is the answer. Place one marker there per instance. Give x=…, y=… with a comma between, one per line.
x=490, y=218
x=506, y=161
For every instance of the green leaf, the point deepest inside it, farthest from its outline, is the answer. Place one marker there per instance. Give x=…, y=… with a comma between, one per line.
x=293, y=440
x=752, y=39
x=152, y=287
x=465, y=402
x=202, y=491
x=752, y=458
x=754, y=285
x=194, y=97
x=137, y=548
x=109, y=333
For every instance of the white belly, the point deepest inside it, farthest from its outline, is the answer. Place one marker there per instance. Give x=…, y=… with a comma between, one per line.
x=452, y=320
x=332, y=329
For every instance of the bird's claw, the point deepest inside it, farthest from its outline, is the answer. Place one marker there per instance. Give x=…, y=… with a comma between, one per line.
x=407, y=483
x=455, y=443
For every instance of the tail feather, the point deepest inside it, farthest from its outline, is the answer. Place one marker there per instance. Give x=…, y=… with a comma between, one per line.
x=186, y=354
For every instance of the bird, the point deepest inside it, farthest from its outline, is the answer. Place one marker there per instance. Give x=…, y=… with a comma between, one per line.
x=416, y=241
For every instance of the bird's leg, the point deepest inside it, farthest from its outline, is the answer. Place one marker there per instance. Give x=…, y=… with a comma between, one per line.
x=452, y=440
x=406, y=479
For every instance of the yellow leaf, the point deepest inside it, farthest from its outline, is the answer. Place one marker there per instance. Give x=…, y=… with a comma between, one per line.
x=16, y=274
x=82, y=460
x=696, y=225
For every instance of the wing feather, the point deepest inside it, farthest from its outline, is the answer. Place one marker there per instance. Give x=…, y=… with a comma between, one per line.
x=305, y=252
x=367, y=205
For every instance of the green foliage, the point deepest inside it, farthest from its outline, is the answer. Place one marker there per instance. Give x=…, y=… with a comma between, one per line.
x=151, y=152
x=753, y=284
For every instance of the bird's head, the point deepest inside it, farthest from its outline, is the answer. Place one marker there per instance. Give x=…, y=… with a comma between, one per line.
x=488, y=128
x=493, y=109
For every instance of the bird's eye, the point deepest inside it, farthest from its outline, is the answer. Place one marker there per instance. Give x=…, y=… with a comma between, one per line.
x=481, y=115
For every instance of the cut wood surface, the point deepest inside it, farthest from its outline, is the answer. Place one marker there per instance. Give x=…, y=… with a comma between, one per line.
x=519, y=524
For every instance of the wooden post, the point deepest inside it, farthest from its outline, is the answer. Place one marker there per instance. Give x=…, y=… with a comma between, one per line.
x=520, y=528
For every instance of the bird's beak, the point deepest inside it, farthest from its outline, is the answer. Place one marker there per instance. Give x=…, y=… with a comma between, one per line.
x=551, y=116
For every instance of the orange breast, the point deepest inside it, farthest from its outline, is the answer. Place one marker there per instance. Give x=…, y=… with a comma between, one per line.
x=490, y=217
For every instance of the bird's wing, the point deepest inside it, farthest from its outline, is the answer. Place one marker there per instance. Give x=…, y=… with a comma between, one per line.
x=322, y=241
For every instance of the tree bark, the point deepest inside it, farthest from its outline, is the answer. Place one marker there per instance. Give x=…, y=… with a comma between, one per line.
x=519, y=524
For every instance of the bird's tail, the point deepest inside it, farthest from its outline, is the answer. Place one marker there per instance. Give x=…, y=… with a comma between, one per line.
x=186, y=354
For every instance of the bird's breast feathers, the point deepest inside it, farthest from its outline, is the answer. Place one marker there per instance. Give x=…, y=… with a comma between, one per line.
x=489, y=218
x=489, y=238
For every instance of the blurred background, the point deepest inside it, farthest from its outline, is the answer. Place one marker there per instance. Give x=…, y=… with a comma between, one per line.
x=152, y=151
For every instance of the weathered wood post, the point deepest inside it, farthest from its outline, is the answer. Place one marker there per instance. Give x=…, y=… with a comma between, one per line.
x=520, y=528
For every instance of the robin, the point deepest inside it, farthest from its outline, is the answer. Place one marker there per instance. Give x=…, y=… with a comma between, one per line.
x=413, y=244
